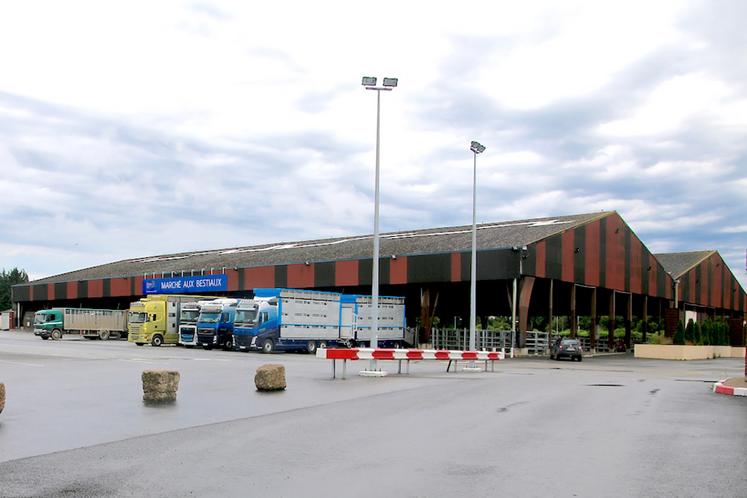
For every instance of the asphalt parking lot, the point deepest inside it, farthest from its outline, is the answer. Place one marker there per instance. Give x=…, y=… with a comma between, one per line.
x=75, y=425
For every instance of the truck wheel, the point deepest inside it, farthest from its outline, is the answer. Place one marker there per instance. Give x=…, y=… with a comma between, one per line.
x=311, y=347
x=104, y=335
x=157, y=340
x=139, y=344
x=228, y=345
x=268, y=346
x=44, y=337
x=56, y=334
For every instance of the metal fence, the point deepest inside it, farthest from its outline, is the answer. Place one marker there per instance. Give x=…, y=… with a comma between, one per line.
x=601, y=347
x=538, y=343
x=458, y=339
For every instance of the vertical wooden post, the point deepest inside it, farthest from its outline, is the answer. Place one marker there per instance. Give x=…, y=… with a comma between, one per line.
x=645, y=318
x=629, y=322
x=425, y=314
x=593, y=331
x=525, y=297
x=574, y=317
x=611, y=323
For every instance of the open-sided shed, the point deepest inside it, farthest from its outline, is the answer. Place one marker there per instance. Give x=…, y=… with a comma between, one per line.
x=587, y=264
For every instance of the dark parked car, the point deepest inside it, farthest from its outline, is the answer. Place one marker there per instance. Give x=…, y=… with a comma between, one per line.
x=566, y=348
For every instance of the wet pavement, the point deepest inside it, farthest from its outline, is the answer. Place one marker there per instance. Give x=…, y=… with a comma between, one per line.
x=611, y=426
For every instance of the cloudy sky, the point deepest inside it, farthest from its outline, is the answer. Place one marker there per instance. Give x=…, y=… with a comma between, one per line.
x=138, y=128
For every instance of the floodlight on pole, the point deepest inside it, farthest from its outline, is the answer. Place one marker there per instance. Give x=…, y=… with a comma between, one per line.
x=370, y=83
x=476, y=148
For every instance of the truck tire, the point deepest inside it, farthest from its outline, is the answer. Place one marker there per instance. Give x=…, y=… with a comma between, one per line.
x=228, y=345
x=56, y=334
x=157, y=340
x=44, y=337
x=139, y=344
x=268, y=346
x=311, y=347
x=104, y=335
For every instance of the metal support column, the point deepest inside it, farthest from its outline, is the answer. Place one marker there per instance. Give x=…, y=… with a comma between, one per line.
x=611, y=323
x=574, y=316
x=549, y=310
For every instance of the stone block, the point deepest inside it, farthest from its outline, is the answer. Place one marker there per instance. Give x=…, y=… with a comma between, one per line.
x=270, y=377
x=160, y=385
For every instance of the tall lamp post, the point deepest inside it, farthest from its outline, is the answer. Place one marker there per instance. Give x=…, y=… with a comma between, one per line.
x=476, y=148
x=369, y=82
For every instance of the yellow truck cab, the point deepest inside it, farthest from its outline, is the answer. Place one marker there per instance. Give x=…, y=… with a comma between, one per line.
x=155, y=319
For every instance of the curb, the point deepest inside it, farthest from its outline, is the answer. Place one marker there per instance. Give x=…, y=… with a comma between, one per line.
x=720, y=388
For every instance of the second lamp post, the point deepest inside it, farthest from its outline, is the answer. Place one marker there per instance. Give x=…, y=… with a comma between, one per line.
x=476, y=148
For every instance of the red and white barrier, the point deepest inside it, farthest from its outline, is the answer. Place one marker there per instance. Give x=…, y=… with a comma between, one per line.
x=405, y=355
x=722, y=388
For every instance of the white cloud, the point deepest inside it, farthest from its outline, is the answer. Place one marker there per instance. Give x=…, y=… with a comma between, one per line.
x=672, y=103
x=140, y=128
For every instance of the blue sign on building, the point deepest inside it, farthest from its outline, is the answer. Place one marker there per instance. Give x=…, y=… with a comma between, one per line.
x=186, y=285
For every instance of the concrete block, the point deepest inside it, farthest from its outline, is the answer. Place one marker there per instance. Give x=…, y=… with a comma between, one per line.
x=160, y=385
x=270, y=377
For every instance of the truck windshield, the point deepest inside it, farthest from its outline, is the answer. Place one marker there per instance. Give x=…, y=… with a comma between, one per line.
x=137, y=317
x=41, y=318
x=248, y=317
x=210, y=317
x=189, y=315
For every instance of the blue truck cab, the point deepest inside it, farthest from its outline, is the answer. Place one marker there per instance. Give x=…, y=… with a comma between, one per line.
x=246, y=324
x=216, y=322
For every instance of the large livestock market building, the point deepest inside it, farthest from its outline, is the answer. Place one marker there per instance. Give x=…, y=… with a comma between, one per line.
x=581, y=265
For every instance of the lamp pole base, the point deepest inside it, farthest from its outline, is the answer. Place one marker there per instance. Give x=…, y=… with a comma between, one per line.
x=372, y=373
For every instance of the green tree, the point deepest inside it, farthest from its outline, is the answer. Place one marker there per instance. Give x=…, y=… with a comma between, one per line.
x=707, y=333
x=679, y=336
x=689, y=331
x=8, y=279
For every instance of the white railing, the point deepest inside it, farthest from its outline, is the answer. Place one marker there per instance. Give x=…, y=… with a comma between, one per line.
x=538, y=343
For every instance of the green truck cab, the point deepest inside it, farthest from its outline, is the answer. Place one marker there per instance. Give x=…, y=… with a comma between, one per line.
x=48, y=323
x=154, y=319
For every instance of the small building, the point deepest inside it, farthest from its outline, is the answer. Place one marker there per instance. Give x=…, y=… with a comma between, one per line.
x=7, y=320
